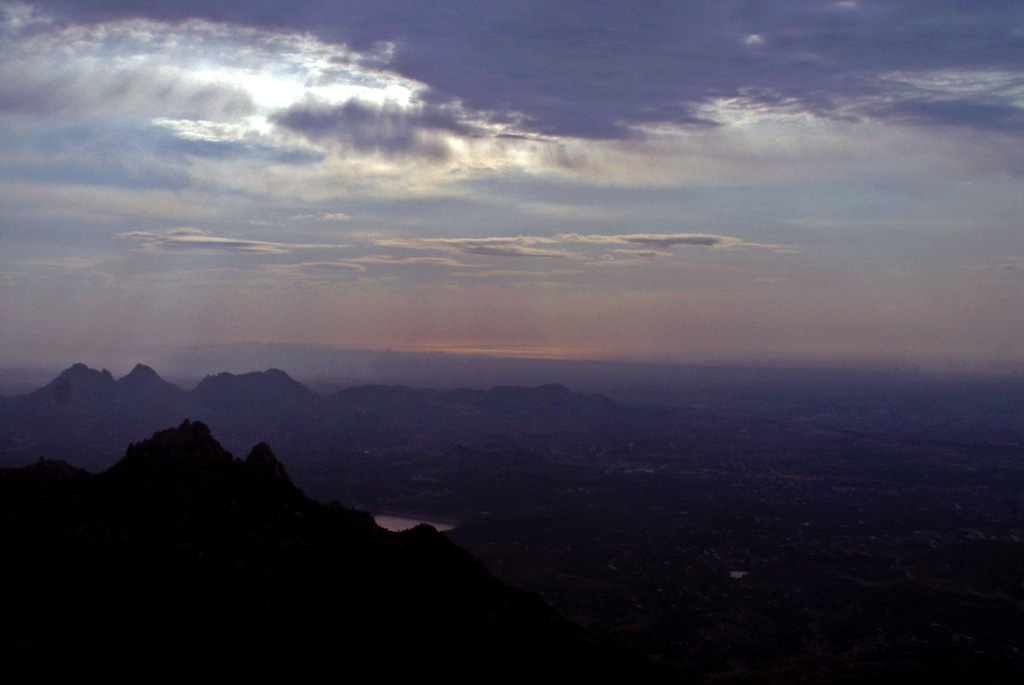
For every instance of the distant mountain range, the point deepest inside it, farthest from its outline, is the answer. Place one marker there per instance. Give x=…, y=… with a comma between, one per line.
x=86, y=415
x=182, y=563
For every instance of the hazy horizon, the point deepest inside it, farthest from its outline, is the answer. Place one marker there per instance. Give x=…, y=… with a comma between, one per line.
x=834, y=183
x=328, y=369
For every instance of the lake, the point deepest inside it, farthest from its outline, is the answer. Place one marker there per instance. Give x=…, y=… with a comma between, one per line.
x=400, y=523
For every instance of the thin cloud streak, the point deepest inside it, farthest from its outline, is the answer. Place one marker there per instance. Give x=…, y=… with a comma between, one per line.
x=429, y=261
x=180, y=240
x=519, y=246
x=522, y=245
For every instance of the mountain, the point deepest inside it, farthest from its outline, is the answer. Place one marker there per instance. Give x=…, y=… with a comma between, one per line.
x=81, y=389
x=500, y=409
x=272, y=387
x=78, y=384
x=181, y=562
x=86, y=416
x=145, y=383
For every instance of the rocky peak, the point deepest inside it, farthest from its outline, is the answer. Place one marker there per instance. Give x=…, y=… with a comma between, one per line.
x=262, y=460
x=190, y=441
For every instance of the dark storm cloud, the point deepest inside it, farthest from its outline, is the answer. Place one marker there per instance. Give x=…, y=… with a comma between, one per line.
x=594, y=69
x=366, y=126
x=980, y=115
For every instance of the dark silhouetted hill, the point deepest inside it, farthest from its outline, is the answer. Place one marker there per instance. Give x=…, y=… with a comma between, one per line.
x=145, y=384
x=78, y=384
x=182, y=563
x=272, y=387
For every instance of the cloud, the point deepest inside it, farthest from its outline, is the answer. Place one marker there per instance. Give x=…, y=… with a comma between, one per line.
x=136, y=69
x=1013, y=264
x=571, y=133
x=620, y=65
x=978, y=99
x=519, y=246
x=644, y=254
x=217, y=105
x=65, y=263
x=17, y=16
x=430, y=261
x=179, y=240
x=341, y=267
x=649, y=240
x=664, y=241
x=995, y=116
x=349, y=101
x=366, y=126
x=328, y=216
x=493, y=273
x=571, y=212
x=524, y=245
x=201, y=80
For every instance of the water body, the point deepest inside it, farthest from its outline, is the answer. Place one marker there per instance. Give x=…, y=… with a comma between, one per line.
x=400, y=523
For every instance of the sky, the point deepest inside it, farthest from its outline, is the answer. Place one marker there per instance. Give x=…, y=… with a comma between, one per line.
x=653, y=181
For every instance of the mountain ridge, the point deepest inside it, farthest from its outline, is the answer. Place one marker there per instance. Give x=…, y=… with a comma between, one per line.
x=184, y=558
x=86, y=415
x=79, y=377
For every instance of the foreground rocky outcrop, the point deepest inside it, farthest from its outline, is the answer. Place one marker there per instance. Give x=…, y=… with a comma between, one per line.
x=181, y=562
